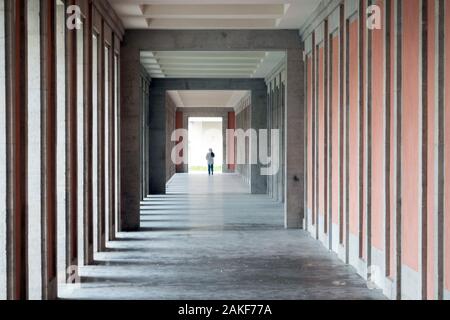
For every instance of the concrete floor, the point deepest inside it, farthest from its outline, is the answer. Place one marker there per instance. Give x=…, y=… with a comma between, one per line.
x=213, y=245
x=203, y=184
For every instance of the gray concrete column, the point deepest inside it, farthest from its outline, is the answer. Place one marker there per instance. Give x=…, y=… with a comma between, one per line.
x=295, y=140
x=130, y=138
x=157, y=139
x=258, y=120
x=3, y=161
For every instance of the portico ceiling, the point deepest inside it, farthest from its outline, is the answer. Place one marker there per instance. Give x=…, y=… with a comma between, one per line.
x=214, y=14
x=211, y=64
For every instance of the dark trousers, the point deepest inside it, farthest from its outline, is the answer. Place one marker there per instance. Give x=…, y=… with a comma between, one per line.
x=210, y=169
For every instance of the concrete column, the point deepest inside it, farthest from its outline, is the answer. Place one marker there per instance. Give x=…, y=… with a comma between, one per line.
x=49, y=133
x=179, y=125
x=230, y=152
x=3, y=158
x=88, y=135
x=295, y=141
x=129, y=138
x=35, y=131
x=16, y=108
x=270, y=127
x=242, y=122
x=274, y=125
x=275, y=120
x=146, y=131
x=157, y=140
x=61, y=134
x=225, y=126
x=171, y=115
x=80, y=143
x=258, y=116
x=112, y=133
x=101, y=225
x=282, y=134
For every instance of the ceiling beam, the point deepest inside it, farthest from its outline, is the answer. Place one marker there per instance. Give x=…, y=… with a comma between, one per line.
x=215, y=11
x=211, y=64
x=230, y=64
x=207, y=68
x=212, y=24
x=207, y=75
x=225, y=72
x=209, y=54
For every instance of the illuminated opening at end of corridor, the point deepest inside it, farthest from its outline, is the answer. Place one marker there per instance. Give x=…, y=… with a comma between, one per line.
x=205, y=133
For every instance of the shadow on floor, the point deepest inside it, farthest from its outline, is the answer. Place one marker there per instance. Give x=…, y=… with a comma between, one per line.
x=233, y=248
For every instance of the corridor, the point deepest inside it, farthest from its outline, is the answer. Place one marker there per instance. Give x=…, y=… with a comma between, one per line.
x=328, y=121
x=209, y=244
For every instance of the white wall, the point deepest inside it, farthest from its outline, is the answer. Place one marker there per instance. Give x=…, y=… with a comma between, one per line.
x=61, y=139
x=34, y=163
x=2, y=155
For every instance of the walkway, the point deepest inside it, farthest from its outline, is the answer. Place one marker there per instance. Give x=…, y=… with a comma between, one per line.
x=216, y=246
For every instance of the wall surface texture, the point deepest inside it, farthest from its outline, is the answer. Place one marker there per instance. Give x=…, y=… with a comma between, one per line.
x=47, y=119
x=377, y=145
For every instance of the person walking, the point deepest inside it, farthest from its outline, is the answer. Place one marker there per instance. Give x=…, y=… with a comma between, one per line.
x=210, y=158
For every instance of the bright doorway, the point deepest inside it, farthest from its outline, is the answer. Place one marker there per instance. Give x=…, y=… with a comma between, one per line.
x=205, y=133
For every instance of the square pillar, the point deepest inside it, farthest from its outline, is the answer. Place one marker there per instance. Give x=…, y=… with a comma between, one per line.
x=130, y=138
x=295, y=141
